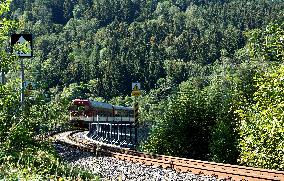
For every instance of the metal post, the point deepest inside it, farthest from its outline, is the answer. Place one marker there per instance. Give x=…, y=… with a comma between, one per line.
x=93, y=125
x=104, y=132
x=110, y=131
x=117, y=136
x=97, y=125
x=22, y=84
x=136, y=121
x=101, y=130
x=115, y=131
x=105, y=128
x=125, y=132
x=136, y=137
x=130, y=131
x=2, y=77
x=118, y=131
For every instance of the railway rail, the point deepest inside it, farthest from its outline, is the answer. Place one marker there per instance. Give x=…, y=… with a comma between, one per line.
x=218, y=170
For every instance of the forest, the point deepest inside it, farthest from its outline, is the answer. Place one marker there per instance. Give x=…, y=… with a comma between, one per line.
x=211, y=73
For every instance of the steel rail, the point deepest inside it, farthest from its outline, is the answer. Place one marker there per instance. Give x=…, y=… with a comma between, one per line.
x=218, y=170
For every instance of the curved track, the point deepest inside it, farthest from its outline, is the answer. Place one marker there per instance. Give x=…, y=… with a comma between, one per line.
x=220, y=171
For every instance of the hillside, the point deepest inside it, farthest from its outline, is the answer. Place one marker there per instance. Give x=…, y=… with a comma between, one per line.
x=108, y=43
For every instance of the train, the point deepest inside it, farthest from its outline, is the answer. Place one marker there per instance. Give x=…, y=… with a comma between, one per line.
x=84, y=111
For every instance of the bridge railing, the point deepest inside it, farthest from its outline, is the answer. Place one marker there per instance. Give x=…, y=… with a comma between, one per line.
x=45, y=130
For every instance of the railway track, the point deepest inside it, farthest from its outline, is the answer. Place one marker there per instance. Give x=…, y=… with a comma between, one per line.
x=218, y=170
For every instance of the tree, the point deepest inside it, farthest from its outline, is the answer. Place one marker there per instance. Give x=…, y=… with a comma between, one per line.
x=261, y=126
x=8, y=98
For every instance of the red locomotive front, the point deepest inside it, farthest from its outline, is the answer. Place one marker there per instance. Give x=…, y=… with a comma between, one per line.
x=81, y=112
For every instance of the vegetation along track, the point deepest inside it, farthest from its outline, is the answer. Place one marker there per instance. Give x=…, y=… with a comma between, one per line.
x=221, y=171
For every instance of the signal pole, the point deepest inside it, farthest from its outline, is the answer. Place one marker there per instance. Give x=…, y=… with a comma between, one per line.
x=136, y=92
x=136, y=120
x=25, y=40
x=2, y=77
x=22, y=84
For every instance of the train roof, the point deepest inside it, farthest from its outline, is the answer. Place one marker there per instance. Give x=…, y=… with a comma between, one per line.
x=123, y=108
x=101, y=105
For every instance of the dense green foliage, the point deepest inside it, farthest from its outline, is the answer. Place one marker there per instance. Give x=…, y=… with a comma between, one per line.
x=262, y=124
x=211, y=71
x=21, y=157
x=112, y=43
x=230, y=112
x=200, y=118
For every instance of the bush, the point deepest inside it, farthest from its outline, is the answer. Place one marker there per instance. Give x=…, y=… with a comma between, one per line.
x=197, y=122
x=38, y=163
x=261, y=117
x=262, y=123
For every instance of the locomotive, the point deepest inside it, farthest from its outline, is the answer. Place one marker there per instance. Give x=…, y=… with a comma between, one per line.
x=84, y=111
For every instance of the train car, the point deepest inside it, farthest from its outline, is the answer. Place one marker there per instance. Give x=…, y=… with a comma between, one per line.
x=83, y=112
x=123, y=114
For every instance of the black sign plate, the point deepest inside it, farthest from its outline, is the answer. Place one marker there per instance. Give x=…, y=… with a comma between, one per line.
x=22, y=39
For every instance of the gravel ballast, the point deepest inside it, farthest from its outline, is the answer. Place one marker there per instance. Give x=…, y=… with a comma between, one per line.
x=113, y=169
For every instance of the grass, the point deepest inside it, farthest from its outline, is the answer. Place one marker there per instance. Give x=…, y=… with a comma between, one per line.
x=39, y=162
